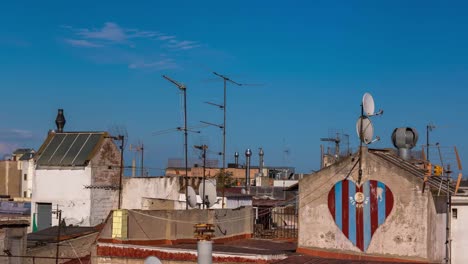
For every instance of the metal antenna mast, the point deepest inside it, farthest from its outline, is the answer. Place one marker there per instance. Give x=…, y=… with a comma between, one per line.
x=183, y=88
x=225, y=79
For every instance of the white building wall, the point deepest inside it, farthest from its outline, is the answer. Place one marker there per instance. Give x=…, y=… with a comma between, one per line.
x=28, y=168
x=65, y=188
x=134, y=189
x=459, y=230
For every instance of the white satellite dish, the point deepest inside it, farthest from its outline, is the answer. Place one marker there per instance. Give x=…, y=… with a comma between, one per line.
x=368, y=104
x=210, y=193
x=367, y=130
x=191, y=197
x=152, y=260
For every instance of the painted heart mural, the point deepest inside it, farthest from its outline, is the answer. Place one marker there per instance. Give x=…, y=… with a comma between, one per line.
x=359, y=210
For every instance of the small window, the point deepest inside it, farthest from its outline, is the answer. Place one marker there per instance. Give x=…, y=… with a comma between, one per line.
x=25, y=176
x=454, y=213
x=25, y=194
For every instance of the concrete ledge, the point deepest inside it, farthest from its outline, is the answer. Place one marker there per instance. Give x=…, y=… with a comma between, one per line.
x=350, y=256
x=156, y=242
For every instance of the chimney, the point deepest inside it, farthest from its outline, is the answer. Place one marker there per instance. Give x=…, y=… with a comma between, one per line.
x=248, y=153
x=236, y=159
x=404, y=139
x=260, y=165
x=60, y=121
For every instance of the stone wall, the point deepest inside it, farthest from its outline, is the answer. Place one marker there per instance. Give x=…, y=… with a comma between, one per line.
x=105, y=172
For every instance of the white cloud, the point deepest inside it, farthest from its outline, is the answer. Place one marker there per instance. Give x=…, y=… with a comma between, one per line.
x=110, y=32
x=13, y=134
x=82, y=43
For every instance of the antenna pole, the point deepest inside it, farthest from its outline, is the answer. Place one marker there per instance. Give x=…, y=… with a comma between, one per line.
x=225, y=79
x=185, y=146
x=142, y=156
x=360, y=144
x=183, y=88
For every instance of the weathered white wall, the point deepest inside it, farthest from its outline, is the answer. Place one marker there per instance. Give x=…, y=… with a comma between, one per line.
x=284, y=183
x=28, y=168
x=459, y=230
x=135, y=189
x=405, y=233
x=64, y=188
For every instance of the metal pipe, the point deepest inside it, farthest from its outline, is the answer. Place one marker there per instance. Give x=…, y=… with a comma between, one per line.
x=205, y=252
x=248, y=153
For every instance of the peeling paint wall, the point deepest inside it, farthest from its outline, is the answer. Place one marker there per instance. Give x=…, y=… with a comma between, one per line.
x=404, y=233
x=65, y=188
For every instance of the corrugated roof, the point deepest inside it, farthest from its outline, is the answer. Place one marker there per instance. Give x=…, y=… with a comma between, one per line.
x=437, y=183
x=69, y=149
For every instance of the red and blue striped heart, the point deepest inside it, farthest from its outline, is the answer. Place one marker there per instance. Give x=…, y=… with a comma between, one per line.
x=359, y=210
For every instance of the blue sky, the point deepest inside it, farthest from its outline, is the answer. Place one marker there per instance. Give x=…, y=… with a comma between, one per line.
x=313, y=60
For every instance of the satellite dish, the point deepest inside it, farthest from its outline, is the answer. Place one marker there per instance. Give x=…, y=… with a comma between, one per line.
x=152, y=260
x=191, y=198
x=368, y=104
x=367, y=129
x=243, y=191
x=210, y=193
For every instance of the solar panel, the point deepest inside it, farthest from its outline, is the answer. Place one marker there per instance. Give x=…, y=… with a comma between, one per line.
x=69, y=149
x=50, y=149
x=88, y=147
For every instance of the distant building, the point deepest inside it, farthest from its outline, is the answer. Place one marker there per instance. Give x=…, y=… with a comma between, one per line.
x=459, y=227
x=28, y=170
x=10, y=178
x=79, y=173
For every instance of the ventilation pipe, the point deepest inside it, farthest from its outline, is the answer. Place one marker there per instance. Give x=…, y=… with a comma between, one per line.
x=236, y=159
x=60, y=121
x=260, y=165
x=248, y=153
x=404, y=139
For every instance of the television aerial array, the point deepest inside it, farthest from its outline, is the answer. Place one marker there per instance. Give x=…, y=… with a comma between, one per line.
x=364, y=127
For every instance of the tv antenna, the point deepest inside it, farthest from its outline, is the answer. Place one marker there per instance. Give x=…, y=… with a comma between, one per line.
x=364, y=127
x=183, y=88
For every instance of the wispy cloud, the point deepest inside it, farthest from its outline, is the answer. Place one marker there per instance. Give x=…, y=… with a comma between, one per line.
x=82, y=43
x=15, y=134
x=183, y=45
x=163, y=64
x=138, y=49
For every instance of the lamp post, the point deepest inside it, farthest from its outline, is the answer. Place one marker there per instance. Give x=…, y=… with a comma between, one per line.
x=183, y=88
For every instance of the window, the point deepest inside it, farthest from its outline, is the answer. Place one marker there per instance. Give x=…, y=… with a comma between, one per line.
x=454, y=213
x=25, y=194
x=25, y=176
